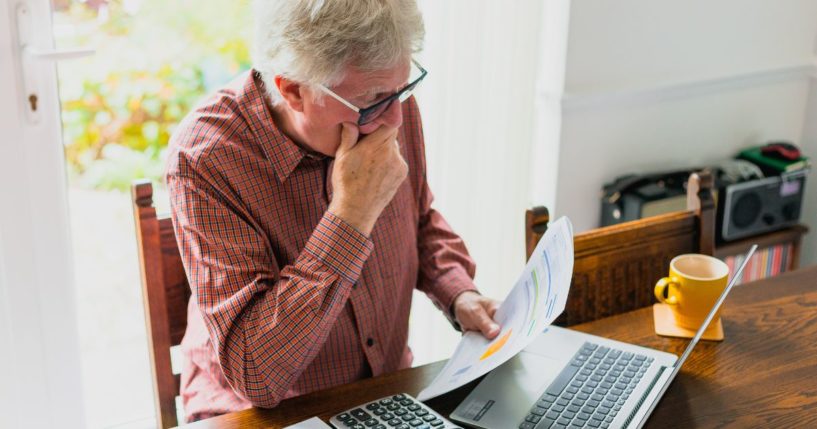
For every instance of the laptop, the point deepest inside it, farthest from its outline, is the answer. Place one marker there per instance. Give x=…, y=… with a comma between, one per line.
x=569, y=379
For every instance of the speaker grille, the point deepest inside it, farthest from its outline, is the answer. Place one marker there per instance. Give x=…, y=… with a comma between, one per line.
x=746, y=210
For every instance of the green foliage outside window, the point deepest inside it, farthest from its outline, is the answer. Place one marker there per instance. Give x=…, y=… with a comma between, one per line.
x=155, y=61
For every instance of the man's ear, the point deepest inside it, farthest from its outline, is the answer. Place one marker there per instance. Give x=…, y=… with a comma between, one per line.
x=292, y=93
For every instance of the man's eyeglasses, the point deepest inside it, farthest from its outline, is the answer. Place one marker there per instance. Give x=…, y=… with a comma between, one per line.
x=369, y=114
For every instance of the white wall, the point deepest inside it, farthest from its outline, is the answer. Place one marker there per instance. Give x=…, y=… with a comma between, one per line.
x=635, y=43
x=662, y=84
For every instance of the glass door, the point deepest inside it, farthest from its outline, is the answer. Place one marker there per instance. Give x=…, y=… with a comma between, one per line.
x=154, y=60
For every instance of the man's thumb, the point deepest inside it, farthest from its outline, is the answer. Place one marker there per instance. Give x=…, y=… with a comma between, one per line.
x=348, y=137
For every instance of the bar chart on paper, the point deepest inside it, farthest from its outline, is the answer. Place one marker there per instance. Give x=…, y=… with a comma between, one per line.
x=537, y=298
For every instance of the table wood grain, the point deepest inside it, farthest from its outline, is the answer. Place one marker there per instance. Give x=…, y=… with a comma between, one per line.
x=764, y=374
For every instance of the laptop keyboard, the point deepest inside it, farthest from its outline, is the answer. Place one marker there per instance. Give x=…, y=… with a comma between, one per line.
x=590, y=391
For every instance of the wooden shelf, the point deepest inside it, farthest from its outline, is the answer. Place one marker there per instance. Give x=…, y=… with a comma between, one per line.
x=791, y=235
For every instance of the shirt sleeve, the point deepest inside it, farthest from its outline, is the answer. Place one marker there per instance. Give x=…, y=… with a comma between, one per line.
x=267, y=323
x=446, y=268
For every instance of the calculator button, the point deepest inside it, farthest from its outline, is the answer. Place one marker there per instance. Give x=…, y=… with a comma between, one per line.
x=360, y=414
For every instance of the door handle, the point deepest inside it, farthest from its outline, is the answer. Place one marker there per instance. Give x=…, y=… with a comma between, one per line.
x=29, y=56
x=57, y=55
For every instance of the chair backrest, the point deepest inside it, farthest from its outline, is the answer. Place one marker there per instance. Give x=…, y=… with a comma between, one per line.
x=165, y=292
x=616, y=267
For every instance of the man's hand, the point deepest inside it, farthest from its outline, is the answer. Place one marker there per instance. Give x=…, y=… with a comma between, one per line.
x=366, y=176
x=475, y=312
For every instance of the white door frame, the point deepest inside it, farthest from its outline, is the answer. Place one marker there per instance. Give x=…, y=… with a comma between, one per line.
x=40, y=380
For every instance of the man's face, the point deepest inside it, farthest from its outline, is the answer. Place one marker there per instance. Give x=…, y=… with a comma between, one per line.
x=320, y=123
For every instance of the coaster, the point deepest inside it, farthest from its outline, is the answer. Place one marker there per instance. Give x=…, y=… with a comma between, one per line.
x=665, y=325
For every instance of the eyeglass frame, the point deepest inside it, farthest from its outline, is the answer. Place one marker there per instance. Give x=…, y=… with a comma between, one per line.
x=403, y=94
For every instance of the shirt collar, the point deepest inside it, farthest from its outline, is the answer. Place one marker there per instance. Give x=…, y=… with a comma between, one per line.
x=283, y=153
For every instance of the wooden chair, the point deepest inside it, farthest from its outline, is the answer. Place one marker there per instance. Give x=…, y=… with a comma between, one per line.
x=616, y=267
x=165, y=292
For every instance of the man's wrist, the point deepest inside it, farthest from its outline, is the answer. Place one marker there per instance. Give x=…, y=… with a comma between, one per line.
x=340, y=246
x=358, y=219
x=452, y=311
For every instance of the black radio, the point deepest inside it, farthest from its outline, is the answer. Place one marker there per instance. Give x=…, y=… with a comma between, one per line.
x=747, y=202
x=761, y=205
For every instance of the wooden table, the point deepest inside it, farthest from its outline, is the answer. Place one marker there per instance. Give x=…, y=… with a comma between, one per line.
x=763, y=375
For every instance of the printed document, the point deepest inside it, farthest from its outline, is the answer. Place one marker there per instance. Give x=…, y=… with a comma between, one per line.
x=538, y=297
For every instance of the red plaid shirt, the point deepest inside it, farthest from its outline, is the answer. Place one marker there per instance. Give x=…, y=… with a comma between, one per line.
x=288, y=298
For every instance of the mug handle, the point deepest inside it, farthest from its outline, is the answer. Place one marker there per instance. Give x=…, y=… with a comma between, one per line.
x=668, y=286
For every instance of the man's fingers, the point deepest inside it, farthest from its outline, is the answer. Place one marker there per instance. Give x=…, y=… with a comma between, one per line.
x=486, y=325
x=492, y=306
x=382, y=135
x=348, y=137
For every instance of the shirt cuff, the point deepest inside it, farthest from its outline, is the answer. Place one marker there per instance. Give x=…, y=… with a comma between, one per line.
x=448, y=288
x=340, y=246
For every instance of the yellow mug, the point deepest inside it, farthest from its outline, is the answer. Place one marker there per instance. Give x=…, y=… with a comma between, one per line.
x=694, y=284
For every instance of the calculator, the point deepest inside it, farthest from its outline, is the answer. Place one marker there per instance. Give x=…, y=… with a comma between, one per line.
x=391, y=412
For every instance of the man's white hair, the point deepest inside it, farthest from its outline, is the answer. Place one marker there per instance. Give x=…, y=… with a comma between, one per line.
x=312, y=41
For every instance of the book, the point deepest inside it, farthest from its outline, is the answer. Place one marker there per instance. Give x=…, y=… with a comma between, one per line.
x=772, y=166
x=767, y=262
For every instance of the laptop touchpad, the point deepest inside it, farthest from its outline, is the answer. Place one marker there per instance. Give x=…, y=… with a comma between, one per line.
x=510, y=390
x=530, y=372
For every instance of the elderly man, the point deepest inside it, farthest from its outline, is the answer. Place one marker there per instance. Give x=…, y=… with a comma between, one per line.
x=300, y=203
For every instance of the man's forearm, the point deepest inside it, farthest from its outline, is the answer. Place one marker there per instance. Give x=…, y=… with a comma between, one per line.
x=286, y=323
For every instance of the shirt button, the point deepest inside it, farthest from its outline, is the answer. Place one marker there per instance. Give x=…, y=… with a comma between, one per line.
x=370, y=342
x=354, y=286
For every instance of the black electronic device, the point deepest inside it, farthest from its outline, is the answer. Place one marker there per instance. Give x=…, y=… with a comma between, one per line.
x=635, y=196
x=758, y=206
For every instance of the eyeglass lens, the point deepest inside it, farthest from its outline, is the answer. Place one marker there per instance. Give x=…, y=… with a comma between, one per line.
x=373, y=112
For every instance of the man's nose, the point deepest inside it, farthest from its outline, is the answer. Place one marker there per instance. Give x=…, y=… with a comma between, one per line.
x=393, y=116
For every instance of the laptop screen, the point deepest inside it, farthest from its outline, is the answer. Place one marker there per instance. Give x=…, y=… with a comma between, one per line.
x=712, y=312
